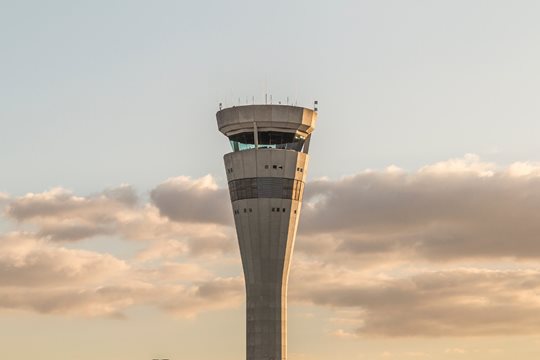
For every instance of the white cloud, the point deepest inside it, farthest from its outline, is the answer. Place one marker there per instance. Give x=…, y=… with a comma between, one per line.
x=470, y=164
x=61, y=216
x=44, y=277
x=448, y=211
x=27, y=261
x=524, y=169
x=393, y=253
x=461, y=302
x=185, y=200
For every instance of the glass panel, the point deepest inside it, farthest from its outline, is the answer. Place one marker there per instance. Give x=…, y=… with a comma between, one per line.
x=275, y=138
x=281, y=140
x=238, y=146
x=267, y=140
x=243, y=141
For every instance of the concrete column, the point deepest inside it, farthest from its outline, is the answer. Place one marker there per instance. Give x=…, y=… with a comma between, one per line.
x=266, y=187
x=266, y=319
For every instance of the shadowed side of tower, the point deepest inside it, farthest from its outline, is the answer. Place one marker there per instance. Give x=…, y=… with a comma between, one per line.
x=266, y=174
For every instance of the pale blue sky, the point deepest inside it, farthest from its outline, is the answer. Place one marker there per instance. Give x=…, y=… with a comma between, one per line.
x=98, y=93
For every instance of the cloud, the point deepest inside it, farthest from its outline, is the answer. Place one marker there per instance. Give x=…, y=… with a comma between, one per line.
x=27, y=261
x=124, y=194
x=44, y=277
x=454, y=210
x=60, y=202
x=460, y=302
x=61, y=216
x=173, y=272
x=185, y=200
x=219, y=293
x=111, y=301
x=447, y=250
x=39, y=274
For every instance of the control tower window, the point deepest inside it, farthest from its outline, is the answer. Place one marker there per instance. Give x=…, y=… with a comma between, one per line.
x=267, y=140
x=243, y=141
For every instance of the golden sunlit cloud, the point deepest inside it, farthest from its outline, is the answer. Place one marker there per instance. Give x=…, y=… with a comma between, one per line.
x=448, y=250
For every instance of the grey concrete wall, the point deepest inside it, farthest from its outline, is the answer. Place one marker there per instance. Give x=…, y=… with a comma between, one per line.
x=266, y=239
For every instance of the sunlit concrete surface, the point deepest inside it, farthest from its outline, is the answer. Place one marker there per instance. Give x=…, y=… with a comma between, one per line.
x=266, y=174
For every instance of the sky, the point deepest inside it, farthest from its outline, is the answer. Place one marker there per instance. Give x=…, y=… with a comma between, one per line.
x=418, y=237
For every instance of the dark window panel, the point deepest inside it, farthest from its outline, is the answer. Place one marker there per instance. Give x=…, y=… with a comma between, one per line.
x=265, y=187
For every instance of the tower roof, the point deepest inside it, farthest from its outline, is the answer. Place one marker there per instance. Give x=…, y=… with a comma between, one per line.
x=286, y=118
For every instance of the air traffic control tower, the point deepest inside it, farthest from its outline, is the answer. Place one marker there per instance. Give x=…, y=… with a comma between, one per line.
x=266, y=173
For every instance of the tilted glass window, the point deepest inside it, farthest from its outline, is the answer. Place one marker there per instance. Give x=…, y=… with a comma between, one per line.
x=242, y=141
x=267, y=140
x=281, y=140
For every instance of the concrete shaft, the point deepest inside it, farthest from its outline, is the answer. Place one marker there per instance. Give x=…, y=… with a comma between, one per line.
x=266, y=229
x=266, y=186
